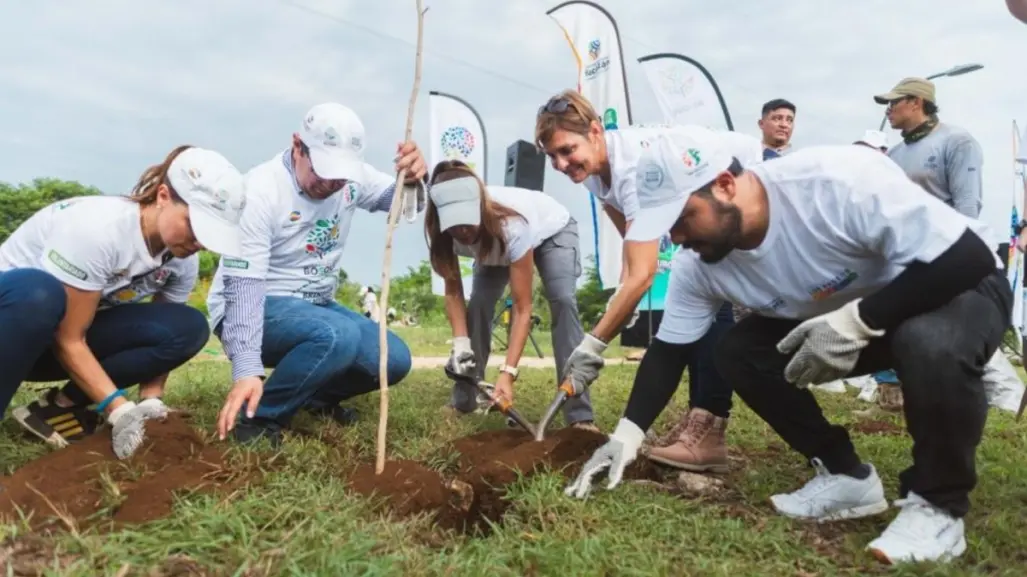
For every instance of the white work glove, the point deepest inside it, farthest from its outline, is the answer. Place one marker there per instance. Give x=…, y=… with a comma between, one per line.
x=155, y=408
x=583, y=365
x=826, y=347
x=127, y=422
x=461, y=359
x=617, y=454
x=634, y=314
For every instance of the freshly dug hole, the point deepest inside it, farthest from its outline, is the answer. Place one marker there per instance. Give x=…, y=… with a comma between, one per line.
x=81, y=480
x=488, y=463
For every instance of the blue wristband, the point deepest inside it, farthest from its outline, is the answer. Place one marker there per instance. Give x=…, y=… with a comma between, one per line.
x=103, y=404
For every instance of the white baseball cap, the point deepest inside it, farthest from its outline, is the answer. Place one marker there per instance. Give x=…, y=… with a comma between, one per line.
x=874, y=138
x=335, y=136
x=675, y=164
x=213, y=188
x=457, y=202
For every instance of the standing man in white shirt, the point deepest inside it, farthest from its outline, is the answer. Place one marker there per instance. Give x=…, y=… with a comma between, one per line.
x=849, y=268
x=273, y=305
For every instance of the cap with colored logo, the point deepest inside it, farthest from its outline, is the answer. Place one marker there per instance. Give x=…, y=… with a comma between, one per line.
x=677, y=163
x=874, y=138
x=335, y=136
x=213, y=188
x=919, y=87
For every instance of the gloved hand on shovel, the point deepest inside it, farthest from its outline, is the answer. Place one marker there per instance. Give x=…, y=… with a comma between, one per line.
x=461, y=363
x=584, y=363
x=128, y=428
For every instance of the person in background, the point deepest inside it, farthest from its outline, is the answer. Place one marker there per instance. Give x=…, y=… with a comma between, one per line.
x=509, y=232
x=777, y=121
x=849, y=268
x=369, y=303
x=617, y=166
x=947, y=162
x=74, y=279
x=273, y=303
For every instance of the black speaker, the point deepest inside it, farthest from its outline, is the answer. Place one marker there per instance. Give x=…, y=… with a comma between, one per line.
x=525, y=166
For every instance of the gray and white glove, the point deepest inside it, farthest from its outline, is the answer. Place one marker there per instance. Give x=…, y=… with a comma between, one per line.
x=619, y=452
x=826, y=347
x=584, y=363
x=461, y=363
x=128, y=429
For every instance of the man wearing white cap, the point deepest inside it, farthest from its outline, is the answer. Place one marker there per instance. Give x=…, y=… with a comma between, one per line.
x=273, y=303
x=849, y=268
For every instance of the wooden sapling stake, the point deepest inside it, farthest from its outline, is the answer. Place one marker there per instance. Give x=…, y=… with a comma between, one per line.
x=394, y=210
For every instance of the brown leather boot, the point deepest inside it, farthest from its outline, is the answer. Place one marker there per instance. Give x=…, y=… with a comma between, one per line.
x=671, y=436
x=699, y=447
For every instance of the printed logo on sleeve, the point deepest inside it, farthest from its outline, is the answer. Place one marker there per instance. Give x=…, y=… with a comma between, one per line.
x=63, y=264
x=236, y=263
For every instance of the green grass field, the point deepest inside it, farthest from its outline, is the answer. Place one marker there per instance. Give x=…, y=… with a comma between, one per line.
x=301, y=520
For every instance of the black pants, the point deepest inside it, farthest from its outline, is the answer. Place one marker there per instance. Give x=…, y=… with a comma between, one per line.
x=939, y=357
x=707, y=387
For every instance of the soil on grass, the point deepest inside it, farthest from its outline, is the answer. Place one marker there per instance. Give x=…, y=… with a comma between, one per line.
x=878, y=428
x=84, y=484
x=487, y=465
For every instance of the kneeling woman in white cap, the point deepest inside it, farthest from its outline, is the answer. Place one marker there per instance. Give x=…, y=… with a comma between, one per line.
x=508, y=231
x=72, y=281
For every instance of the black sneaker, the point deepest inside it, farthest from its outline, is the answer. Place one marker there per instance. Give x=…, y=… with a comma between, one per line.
x=344, y=416
x=249, y=431
x=57, y=426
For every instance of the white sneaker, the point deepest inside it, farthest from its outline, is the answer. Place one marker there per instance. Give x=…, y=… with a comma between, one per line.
x=920, y=532
x=829, y=497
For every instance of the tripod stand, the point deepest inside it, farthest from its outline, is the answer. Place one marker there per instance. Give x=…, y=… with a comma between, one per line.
x=505, y=315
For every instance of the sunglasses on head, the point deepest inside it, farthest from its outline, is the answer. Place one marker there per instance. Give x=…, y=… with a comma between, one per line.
x=556, y=105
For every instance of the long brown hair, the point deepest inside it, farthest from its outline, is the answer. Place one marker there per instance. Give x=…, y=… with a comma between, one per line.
x=490, y=235
x=568, y=111
x=145, y=190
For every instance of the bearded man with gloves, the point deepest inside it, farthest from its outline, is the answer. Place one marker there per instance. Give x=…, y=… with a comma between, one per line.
x=848, y=268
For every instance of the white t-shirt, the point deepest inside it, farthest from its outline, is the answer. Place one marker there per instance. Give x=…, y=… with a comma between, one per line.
x=844, y=221
x=630, y=148
x=289, y=240
x=95, y=243
x=543, y=217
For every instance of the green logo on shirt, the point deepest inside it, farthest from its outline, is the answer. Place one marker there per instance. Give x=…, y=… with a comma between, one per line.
x=63, y=264
x=237, y=263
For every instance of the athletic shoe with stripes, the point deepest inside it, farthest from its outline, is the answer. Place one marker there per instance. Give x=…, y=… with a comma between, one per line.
x=57, y=426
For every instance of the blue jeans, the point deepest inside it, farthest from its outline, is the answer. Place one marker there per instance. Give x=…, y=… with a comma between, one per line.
x=32, y=304
x=321, y=355
x=707, y=389
x=133, y=343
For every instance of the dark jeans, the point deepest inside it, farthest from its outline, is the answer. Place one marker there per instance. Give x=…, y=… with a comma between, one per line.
x=133, y=343
x=32, y=304
x=939, y=357
x=322, y=354
x=707, y=389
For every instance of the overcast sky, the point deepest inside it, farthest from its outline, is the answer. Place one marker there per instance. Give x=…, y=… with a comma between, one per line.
x=95, y=91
